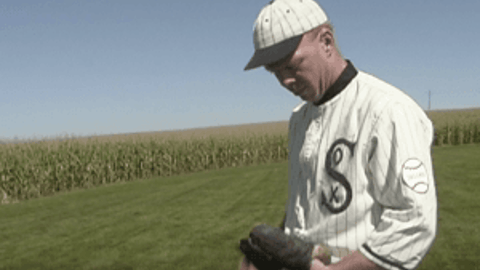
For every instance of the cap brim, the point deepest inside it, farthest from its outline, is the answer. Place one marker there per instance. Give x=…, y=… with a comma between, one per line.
x=273, y=53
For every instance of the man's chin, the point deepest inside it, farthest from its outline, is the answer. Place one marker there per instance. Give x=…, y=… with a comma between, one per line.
x=312, y=99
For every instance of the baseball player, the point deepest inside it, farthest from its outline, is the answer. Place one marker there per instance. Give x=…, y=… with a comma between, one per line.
x=361, y=188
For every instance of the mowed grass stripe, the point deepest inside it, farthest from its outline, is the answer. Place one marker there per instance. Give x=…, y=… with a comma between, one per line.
x=184, y=222
x=458, y=179
x=195, y=221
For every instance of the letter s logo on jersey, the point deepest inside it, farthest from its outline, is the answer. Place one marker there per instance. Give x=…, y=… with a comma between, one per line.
x=337, y=201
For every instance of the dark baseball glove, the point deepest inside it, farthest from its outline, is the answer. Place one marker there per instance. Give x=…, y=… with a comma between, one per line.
x=270, y=248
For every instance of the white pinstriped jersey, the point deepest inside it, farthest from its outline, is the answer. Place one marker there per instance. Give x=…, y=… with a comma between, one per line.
x=361, y=176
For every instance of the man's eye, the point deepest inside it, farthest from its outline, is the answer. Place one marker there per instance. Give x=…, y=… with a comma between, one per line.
x=289, y=68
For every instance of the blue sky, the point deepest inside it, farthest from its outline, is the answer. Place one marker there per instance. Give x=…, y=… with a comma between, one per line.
x=115, y=66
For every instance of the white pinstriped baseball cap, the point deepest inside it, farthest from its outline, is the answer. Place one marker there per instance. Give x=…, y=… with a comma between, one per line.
x=279, y=28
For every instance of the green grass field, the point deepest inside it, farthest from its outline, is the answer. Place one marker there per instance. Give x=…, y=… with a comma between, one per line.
x=194, y=221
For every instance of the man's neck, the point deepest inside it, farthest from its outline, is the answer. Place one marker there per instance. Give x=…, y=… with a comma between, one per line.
x=342, y=79
x=338, y=68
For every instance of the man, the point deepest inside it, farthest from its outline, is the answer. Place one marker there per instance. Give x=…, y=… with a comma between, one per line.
x=361, y=188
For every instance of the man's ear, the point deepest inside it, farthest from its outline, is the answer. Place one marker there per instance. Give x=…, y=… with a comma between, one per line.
x=325, y=38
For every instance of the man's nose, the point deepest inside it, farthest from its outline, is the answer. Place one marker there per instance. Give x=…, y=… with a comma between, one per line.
x=286, y=79
x=288, y=82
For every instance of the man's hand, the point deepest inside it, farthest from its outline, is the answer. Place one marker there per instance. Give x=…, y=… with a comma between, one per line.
x=323, y=254
x=318, y=265
x=270, y=248
x=246, y=265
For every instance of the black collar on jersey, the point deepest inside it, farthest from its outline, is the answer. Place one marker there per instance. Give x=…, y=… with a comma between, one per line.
x=343, y=80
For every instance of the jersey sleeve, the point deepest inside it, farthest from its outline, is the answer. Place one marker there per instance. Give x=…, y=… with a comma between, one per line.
x=295, y=132
x=291, y=167
x=401, y=183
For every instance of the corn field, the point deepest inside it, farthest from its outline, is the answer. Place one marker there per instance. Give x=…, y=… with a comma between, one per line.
x=455, y=127
x=44, y=168
x=457, y=134
x=36, y=169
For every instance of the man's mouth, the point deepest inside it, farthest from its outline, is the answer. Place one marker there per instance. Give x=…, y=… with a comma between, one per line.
x=298, y=92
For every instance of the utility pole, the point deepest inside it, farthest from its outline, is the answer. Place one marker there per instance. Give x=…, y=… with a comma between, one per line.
x=429, y=99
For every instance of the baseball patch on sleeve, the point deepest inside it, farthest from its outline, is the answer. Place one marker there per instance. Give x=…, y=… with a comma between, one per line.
x=415, y=175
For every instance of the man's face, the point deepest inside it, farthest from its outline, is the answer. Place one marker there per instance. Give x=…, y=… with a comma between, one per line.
x=302, y=71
